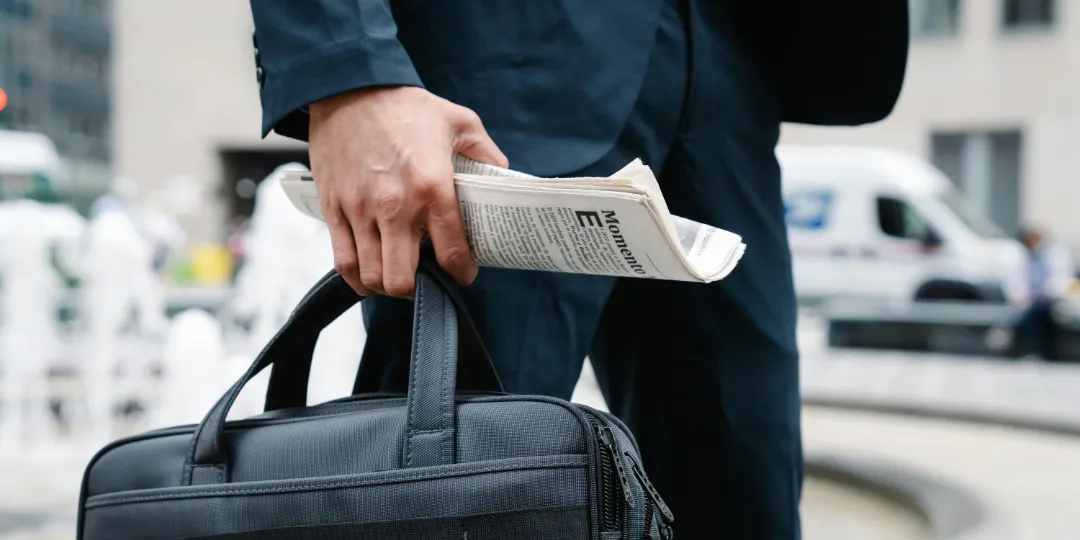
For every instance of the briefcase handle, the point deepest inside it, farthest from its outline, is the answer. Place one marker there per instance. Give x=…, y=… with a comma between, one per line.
x=331, y=297
x=430, y=402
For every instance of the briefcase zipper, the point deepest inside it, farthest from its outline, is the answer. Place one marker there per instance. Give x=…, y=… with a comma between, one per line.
x=666, y=516
x=615, y=486
x=649, y=515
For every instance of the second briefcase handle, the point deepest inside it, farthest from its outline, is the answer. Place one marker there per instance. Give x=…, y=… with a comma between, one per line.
x=430, y=407
x=330, y=298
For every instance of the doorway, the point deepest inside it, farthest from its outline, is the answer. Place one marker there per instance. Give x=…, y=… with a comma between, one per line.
x=245, y=169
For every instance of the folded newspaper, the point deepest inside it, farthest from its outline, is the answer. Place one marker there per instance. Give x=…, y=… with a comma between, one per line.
x=618, y=226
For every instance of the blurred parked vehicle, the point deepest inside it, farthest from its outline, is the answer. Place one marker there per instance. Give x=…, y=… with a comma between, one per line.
x=29, y=166
x=883, y=225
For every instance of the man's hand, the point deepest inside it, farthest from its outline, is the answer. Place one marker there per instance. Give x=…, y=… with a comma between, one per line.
x=382, y=165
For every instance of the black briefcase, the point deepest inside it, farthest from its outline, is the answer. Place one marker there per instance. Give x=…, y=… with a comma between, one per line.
x=433, y=463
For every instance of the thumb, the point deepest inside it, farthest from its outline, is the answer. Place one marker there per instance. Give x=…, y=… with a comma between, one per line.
x=472, y=140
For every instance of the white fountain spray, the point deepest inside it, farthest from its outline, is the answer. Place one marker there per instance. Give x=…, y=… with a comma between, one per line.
x=118, y=281
x=192, y=377
x=30, y=232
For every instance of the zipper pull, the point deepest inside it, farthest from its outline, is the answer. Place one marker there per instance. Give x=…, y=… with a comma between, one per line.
x=666, y=532
x=655, y=496
x=607, y=439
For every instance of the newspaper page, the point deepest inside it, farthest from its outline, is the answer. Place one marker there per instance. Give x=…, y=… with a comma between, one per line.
x=617, y=226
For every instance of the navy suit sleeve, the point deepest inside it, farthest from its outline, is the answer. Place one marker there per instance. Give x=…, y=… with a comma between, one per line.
x=307, y=50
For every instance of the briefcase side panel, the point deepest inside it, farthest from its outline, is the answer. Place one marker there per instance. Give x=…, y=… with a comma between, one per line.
x=154, y=460
x=519, y=490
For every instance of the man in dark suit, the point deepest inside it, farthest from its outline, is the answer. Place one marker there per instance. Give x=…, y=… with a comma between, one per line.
x=706, y=376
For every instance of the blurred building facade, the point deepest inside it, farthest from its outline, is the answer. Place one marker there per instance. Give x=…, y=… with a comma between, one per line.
x=55, y=64
x=187, y=110
x=992, y=97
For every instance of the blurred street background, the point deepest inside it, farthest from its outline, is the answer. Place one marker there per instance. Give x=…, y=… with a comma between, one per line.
x=145, y=242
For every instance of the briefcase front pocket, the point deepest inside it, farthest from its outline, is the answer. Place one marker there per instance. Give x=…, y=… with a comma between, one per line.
x=523, y=498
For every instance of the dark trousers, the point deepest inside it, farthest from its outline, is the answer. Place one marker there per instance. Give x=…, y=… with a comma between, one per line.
x=706, y=376
x=1035, y=330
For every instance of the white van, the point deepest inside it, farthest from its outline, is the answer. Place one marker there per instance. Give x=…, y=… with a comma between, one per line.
x=874, y=223
x=29, y=165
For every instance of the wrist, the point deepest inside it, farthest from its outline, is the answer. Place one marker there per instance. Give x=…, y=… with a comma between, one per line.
x=327, y=106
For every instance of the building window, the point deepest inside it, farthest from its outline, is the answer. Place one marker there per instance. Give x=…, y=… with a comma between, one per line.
x=986, y=166
x=25, y=79
x=19, y=47
x=935, y=17
x=23, y=119
x=1027, y=14
x=97, y=9
x=17, y=8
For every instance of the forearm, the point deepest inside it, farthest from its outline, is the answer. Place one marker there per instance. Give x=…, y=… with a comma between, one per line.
x=312, y=49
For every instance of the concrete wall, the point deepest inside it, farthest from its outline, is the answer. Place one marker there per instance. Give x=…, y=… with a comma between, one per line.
x=184, y=90
x=985, y=77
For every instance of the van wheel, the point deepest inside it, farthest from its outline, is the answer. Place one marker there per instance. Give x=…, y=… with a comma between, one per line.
x=948, y=290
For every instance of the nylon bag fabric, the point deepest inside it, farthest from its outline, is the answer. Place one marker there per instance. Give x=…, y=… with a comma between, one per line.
x=454, y=457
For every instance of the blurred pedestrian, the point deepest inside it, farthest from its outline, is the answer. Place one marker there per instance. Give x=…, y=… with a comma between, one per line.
x=122, y=195
x=1050, y=273
x=386, y=92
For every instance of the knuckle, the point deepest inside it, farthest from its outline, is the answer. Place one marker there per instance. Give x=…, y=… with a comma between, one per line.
x=398, y=285
x=346, y=263
x=455, y=256
x=357, y=210
x=463, y=119
x=429, y=181
x=372, y=279
x=429, y=187
x=469, y=118
x=328, y=206
x=389, y=204
x=433, y=189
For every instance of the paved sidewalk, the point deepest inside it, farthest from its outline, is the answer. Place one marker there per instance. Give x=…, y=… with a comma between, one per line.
x=1030, y=481
x=833, y=511
x=39, y=494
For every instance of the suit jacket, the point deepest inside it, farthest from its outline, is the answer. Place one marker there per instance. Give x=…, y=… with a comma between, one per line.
x=557, y=78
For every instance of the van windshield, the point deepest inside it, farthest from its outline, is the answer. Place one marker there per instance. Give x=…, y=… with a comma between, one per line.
x=971, y=217
x=36, y=186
